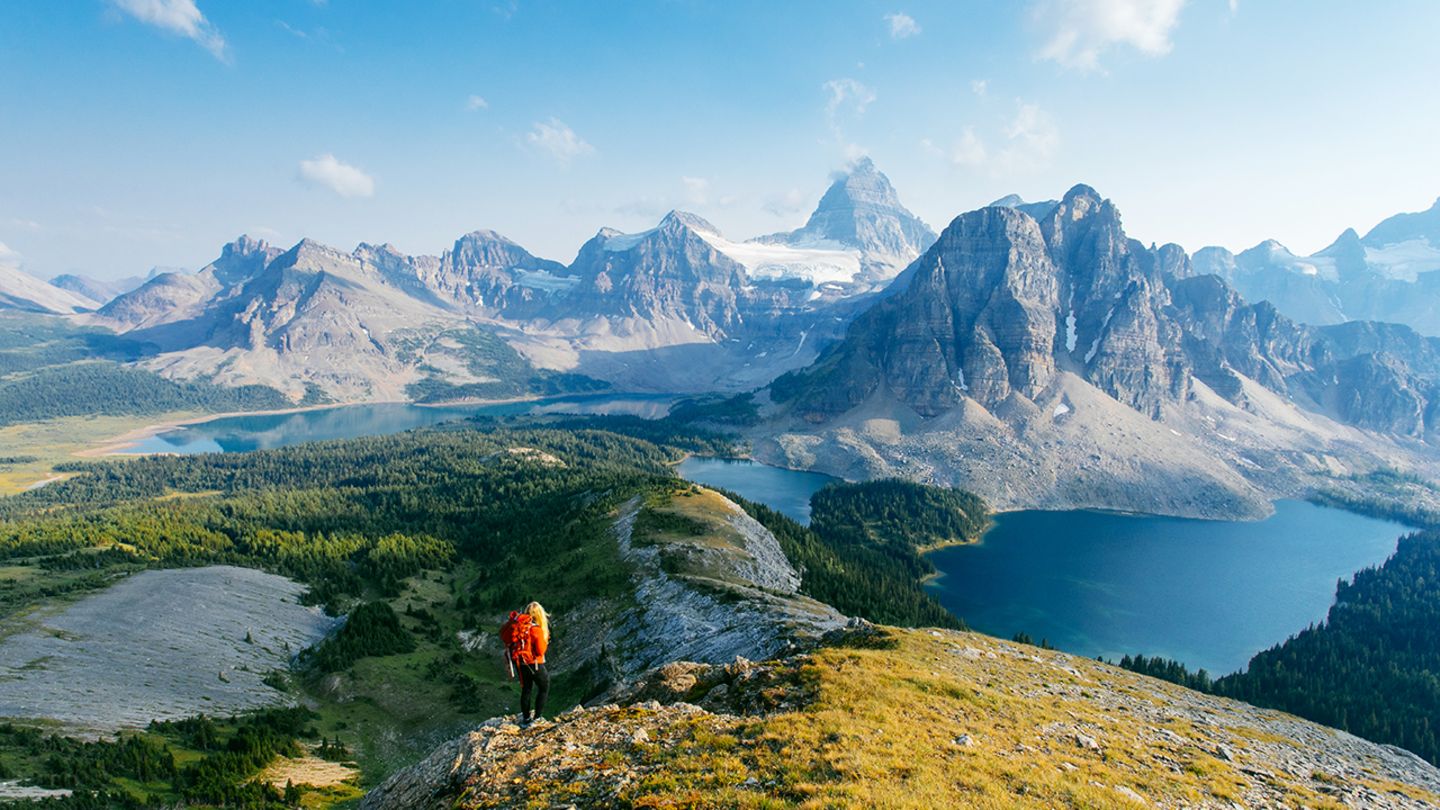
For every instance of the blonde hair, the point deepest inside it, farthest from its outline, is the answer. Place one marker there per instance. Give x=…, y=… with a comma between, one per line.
x=541, y=618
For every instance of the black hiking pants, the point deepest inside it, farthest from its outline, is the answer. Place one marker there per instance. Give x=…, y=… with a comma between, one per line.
x=533, y=676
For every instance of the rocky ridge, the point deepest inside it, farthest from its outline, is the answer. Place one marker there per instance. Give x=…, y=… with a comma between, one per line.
x=1390, y=274
x=911, y=719
x=709, y=597
x=717, y=588
x=675, y=308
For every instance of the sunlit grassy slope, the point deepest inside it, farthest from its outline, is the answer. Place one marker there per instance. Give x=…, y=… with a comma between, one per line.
x=927, y=719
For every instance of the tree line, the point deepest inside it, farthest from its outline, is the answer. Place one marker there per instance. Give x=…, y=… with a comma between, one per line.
x=1371, y=668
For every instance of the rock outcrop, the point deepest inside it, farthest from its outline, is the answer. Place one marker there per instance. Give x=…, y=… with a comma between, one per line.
x=711, y=596
x=910, y=719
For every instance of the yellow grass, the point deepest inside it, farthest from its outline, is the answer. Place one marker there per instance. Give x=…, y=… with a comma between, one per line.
x=921, y=725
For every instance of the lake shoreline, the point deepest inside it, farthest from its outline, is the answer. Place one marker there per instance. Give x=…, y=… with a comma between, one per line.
x=119, y=444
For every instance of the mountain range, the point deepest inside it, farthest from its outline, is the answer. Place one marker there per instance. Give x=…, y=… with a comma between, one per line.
x=1046, y=359
x=1033, y=352
x=23, y=292
x=678, y=307
x=1390, y=274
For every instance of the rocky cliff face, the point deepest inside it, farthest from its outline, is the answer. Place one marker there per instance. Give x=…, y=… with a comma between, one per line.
x=1001, y=301
x=976, y=320
x=1056, y=362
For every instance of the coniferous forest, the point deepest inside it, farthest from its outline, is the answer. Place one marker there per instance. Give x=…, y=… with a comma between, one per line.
x=415, y=538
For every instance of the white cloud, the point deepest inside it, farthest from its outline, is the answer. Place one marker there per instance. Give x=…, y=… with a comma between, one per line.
x=902, y=26
x=475, y=102
x=1033, y=138
x=697, y=190
x=968, y=151
x=8, y=257
x=980, y=86
x=847, y=94
x=180, y=17
x=559, y=140
x=1077, y=32
x=1023, y=142
x=846, y=99
x=326, y=171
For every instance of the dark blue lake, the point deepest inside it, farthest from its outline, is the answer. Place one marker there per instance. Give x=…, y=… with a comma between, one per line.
x=1208, y=593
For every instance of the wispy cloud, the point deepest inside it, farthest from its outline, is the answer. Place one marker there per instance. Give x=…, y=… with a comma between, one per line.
x=979, y=86
x=8, y=256
x=291, y=30
x=1078, y=32
x=180, y=17
x=902, y=26
x=968, y=151
x=846, y=99
x=785, y=203
x=558, y=140
x=1021, y=142
x=847, y=94
x=1033, y=138
x=475, y=102
x=697, y=190
x=330, y=173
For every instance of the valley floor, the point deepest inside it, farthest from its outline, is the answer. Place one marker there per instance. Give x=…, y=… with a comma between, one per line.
x=39, y=446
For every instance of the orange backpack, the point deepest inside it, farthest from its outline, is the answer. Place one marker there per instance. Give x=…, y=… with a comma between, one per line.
x=518, y=635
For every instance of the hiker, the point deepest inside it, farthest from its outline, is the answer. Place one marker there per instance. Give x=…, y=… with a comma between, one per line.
x=526, y=636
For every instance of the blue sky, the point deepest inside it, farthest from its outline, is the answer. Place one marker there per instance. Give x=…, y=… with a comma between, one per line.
x=136, y=133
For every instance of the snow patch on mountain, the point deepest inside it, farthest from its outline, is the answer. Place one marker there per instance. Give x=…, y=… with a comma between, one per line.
x=818, y=264
x=1403, y=261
